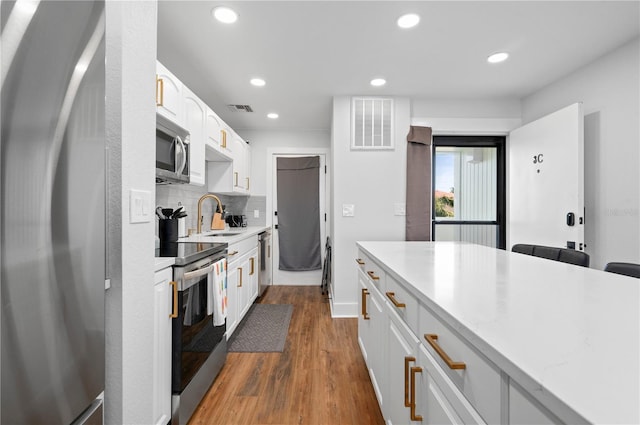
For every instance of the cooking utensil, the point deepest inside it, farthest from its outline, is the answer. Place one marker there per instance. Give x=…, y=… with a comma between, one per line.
x=159, y=213
x=167, y=212
x=181, y=214
x=176, y=212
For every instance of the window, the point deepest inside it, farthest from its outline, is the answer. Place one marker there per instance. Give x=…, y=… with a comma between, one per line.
x=468, y=189
x=371, y=123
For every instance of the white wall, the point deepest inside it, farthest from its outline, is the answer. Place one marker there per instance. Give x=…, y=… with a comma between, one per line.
x=130, y=128
x=610, y=91
x=261, y=141
x=372, y=181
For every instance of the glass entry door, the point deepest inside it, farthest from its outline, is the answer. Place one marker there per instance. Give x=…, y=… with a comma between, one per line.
x=468, y=190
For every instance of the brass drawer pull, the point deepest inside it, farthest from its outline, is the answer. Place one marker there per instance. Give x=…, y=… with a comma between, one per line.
x=431, y=339
x=359, y=261
x=231, y=254
x=372, y=275
x=407, y=360
x=392, y=297
x=412, y=402
x=159, y=90
x=240, y=277
x=174, y=313
x=365, y=315
x=252, y=261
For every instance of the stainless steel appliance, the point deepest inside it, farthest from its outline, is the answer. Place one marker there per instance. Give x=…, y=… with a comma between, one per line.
x=264, y=276
x=52, y=212
x=172, y=152
x=199, y=349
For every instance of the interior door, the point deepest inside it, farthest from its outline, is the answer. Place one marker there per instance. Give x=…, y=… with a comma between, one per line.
x=303, y=278
x=546, y=181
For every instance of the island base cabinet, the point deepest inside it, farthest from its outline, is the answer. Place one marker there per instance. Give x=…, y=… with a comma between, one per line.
x=371, y=336
x=402, y=346
x=523, y=409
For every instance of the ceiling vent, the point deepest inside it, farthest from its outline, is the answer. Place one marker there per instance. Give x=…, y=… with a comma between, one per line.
x=371, y=123
x=240, y=108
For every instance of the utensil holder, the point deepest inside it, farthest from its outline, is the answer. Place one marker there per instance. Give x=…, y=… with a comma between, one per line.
x=168, y=230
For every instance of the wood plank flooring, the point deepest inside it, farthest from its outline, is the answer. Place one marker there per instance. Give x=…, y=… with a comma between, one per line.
x=320, y=377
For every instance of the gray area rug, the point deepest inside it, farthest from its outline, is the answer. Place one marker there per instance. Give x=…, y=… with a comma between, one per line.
x=264, y=329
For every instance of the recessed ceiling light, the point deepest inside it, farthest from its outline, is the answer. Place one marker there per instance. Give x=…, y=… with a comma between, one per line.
x=377, y=82
x=258, y=82
x=272, y=115
x=224, y=14
x=498, y=57
x=409, y=20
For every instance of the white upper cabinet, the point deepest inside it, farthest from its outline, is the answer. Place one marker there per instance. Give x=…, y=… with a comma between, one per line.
x=216, y=138
x=169, y=95
x=231, y=178
x=194, y=117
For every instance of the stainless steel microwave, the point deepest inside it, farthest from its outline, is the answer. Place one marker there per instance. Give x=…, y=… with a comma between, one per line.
x=172, y=152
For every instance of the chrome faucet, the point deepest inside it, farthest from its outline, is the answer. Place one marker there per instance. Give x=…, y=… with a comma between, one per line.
x=200, y=201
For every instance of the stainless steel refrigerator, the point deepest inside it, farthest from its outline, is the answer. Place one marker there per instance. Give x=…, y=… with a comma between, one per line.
x=52, y=212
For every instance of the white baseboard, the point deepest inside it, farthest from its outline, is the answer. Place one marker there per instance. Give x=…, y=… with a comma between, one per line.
x=339, y=310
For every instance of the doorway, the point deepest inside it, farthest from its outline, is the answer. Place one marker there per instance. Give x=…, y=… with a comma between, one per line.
x=282, y=276
x=469, y=200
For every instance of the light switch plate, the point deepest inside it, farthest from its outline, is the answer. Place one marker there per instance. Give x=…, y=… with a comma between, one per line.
x=139, y=206
x=348, y=210
x=399, y=209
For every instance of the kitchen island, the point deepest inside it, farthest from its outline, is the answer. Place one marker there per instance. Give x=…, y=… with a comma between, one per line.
x=547, y=341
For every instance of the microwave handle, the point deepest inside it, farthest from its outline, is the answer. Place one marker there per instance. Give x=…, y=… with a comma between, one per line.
x=183, y=155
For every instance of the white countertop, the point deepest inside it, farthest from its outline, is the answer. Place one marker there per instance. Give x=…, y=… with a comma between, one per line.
x=239, y=233
x=570, y=331
x=163, y=263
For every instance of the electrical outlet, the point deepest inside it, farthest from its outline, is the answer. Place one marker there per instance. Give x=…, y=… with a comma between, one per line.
x=256, y=213
x=399, y=209
x=348, y=210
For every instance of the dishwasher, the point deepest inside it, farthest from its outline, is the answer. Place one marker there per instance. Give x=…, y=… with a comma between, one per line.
x=264, y=275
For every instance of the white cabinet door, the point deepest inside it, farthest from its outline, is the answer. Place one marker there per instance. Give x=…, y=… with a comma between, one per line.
x=194, y=115
x=244, y=283
x=253, y=276
x=216, y=138
x=168, y=95
x=402, y=345
x=546, y=180
x=378, y=346
x=232, y=298
x=163, y=307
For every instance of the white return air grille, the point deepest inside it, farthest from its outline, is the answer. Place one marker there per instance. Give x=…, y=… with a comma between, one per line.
x=371, y=123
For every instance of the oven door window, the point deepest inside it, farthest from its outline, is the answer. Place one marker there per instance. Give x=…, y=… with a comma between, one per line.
x=194, y=335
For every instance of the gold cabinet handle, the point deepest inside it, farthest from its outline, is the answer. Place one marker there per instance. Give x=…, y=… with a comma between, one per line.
x=247, y=182
x=174, y=313
x=412, y=401
x=235, y=176
x=372, y=275
x=223, y=138
x=252, y=261
x=407, y=360
x=359, y=261
x=431, y=339
x=231, y=254
x=240, y=279
x=268, y=251
x=365, y=315
x=392, y=297
x=159, y=90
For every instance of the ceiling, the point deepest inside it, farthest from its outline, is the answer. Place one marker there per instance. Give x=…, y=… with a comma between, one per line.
x=310, y=51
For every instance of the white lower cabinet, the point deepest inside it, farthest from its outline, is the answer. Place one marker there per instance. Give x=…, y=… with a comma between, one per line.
x=402, y=346
x=372, y=330
x=242, y=280
x=163, y=307
x=524, y=409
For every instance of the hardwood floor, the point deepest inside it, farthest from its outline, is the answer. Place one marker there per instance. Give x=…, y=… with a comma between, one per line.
x=320, y=377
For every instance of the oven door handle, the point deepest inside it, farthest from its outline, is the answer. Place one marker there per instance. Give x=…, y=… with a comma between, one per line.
x=198, y=273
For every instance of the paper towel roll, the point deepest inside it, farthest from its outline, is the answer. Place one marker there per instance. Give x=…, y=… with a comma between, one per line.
x=182, y=227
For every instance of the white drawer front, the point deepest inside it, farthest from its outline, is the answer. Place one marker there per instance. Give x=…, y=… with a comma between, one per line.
x=403, y=303
x=374, y=272
x=479, y=380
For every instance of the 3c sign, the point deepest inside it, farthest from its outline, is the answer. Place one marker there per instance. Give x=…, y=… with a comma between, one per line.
x=537, y=159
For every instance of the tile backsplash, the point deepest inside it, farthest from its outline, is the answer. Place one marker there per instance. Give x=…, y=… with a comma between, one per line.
x=173, y=195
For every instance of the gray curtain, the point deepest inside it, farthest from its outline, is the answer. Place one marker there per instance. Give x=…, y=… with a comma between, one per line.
x=418, y=218
x=299, y=213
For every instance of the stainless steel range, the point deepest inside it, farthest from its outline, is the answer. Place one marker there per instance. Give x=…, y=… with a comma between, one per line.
x=199, y=348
